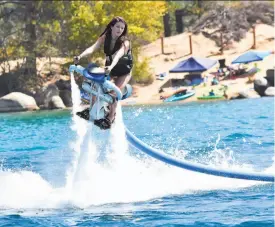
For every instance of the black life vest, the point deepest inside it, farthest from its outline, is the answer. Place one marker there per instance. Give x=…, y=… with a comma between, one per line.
x=125, y=59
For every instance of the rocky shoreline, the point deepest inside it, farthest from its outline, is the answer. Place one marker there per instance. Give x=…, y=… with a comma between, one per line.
x=58, y=95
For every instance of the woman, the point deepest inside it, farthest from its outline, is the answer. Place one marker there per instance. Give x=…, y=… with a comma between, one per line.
x=118, y=63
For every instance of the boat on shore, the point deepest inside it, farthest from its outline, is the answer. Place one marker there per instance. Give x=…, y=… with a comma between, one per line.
x=210, y=97
x=180, y=96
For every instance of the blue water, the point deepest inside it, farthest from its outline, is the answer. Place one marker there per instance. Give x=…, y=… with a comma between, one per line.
x=37, y=151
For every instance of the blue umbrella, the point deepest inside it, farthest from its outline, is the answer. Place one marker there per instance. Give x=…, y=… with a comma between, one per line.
x=251, y=56
x=193, y=64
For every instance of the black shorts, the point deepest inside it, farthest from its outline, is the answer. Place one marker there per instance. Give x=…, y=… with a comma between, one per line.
x=121, y=70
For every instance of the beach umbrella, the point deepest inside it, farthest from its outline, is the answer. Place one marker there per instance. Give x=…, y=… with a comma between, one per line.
x=193, y=64
x=251, y=56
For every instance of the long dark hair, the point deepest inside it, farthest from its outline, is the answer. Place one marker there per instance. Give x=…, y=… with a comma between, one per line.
x=108, y=30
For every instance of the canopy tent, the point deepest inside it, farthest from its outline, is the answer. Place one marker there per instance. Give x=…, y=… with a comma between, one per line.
x=251, y=56
x=193, y=64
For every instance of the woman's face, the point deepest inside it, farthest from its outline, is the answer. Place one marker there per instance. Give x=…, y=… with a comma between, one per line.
x=117, y=29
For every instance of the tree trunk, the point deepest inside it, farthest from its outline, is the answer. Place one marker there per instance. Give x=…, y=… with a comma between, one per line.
x=199, y=3
x=30, y=72
x=167, y=28
x=179, y=23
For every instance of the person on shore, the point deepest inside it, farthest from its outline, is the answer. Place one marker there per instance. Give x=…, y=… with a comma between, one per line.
x=119, y=60
x=215, y=81
x=211, y=93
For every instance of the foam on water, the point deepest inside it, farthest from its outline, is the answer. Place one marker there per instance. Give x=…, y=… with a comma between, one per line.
x=120, y=177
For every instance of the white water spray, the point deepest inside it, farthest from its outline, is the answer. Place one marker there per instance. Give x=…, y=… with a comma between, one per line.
x=124, y=178
x=119, y=178
x=80, y=127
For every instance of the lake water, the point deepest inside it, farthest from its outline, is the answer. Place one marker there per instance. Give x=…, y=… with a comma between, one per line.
x=58, y=170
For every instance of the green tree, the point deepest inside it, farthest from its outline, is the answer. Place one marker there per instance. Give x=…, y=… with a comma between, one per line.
x=90, y=19
x=29, y=28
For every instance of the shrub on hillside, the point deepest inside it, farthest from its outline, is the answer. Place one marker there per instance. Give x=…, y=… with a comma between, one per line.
x=141, y=72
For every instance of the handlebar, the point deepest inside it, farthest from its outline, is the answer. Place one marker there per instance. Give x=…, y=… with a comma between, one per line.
x=97, y=79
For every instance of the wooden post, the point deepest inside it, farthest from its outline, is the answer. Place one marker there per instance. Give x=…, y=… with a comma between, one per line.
x=162, y=44
x=221, y=50
x=254, y=37
x=190, y=44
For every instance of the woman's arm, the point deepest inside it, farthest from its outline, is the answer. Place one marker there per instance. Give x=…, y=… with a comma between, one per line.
x=119, y=54
x=92, y=48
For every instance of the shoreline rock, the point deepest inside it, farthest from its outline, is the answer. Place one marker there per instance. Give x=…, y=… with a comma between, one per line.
x=17, y=101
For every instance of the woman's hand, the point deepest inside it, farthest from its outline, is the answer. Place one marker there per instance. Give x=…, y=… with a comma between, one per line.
x=107, y=70
x=76, y=60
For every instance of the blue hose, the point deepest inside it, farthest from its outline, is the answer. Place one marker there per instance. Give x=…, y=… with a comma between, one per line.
x=134, y=141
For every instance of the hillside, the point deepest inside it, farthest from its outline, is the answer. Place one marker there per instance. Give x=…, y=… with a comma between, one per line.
x=176, y=49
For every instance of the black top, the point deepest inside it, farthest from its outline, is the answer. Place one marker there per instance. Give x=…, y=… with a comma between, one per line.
x=125, y=59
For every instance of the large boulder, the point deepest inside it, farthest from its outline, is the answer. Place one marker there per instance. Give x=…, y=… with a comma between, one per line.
x=270, y=77
x=63, y=84
x=245, y=94
x=235, y=95
x=17, y=101
x=261, y=81
x=66, y=96
x=260, y=85
x=44, y=96
x=250, y=93
x=270, y=91
x=56, y=103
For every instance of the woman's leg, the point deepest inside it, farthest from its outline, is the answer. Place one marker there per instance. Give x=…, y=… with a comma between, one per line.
x=120, y=82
